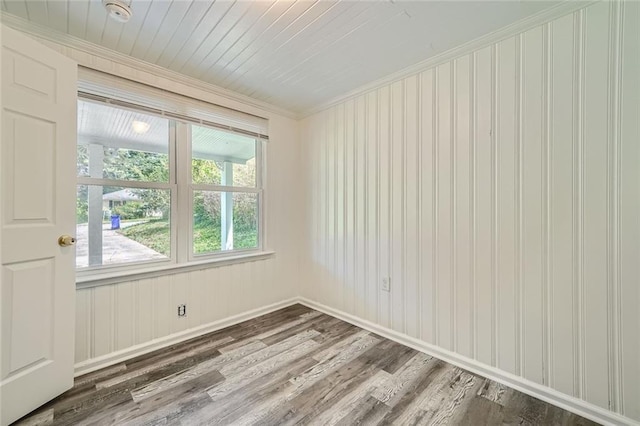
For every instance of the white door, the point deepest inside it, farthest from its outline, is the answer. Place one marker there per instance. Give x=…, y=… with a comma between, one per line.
x=37, y=205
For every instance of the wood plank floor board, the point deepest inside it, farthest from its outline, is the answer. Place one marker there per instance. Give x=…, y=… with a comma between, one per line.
x=101, y=375
x=494, y=391
x=385, y=355
x=321, y=323
x=458, y=395
x=294, y=366
x=408, y=405
x=192, y=372
x=206, y=351
x=256, y=393
x=327, y=399
x=482, y=411
x=347, y=403
x=236, y=367
x=391, y=390
x=270, y=364
x=175, y=402
x=367, y=411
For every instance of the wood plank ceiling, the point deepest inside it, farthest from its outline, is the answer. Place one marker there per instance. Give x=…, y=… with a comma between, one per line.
x=293, y=54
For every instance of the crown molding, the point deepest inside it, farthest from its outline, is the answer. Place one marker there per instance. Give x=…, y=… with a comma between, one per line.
x=561, y=9
x=78, y=45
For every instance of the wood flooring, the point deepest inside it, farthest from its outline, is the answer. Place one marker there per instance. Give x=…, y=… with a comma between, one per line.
x=293, y=366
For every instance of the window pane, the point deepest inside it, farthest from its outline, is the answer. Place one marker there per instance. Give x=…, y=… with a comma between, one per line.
x=115, y=143
x=224, y=221
x=118, y=225
x=221, y=158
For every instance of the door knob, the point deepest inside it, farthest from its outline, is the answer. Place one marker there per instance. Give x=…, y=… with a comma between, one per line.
x=66, y=240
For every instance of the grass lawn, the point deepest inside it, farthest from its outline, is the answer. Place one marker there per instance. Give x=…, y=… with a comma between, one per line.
x=206, y=236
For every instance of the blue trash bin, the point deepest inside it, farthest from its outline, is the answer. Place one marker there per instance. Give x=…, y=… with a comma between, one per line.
x=115, y=221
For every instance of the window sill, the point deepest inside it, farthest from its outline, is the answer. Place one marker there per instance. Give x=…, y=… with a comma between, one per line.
x=107, y=278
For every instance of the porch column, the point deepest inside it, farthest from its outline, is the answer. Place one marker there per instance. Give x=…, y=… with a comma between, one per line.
x=226, y=208
x=94, y=231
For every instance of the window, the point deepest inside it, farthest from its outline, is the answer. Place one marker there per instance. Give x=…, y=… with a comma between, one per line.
x=162, y=188
x=224, y=191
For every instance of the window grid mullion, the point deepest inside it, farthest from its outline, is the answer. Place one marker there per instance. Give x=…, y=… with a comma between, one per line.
x=124, y=183
x=221, y=188
x=184, y=217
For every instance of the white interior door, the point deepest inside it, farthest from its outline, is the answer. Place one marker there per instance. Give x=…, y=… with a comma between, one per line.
x=37, y=205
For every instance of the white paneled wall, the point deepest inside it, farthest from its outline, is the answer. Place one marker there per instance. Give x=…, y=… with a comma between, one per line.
x=500, y=191
x=117, y=317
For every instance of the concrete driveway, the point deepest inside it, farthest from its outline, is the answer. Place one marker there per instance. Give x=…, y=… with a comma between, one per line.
x=116, y=248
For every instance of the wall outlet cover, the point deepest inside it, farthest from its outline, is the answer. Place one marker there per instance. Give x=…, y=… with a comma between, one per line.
x=182, y=310
x=386, y=284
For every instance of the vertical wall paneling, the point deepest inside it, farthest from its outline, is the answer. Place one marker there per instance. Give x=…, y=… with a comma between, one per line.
x=453, y=197
x=397, y=182
x=315, y=134
x=473, y=327
x=613, y=203
x=435, y=167
x=427, y=217
x=323, y=185
x=124, y=307
x=484, y=191
x=340, y=218
x=384, y=205
x=561, y=199
x=519, y=223
x=145, y=310
x=444, y=208
x=349, y=205
x=331, y=207
x=499, y=191
x=505, y=136
x=493, y=230
x=340, y=252
x=532, y=204
x=596, y=354
x=359, y=185
x=629, y=154
x=547, y=182
x=463, y=297
x=372, y=211
x=83, y=324
x=410, y=207
x=578, y=202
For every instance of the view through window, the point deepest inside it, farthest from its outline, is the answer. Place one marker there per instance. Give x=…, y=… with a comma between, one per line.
x=128, y=186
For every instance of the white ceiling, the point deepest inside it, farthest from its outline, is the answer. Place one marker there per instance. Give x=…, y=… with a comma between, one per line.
x=293, y=54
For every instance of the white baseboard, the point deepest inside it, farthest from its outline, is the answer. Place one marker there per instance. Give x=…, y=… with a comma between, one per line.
x=107, y=360
x=536, y=390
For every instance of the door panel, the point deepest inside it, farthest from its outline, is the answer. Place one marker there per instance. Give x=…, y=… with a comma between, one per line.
x=31, y=315
x=37, y=193
x=30, y=141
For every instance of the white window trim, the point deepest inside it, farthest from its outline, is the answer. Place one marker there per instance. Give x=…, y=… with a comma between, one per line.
x=182, y=258
x=144, y=270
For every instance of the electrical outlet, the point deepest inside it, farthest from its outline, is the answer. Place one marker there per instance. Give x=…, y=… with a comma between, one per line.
x=182, y=310
x=386, y=284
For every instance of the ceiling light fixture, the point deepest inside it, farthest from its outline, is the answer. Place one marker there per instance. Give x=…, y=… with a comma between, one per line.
x=140, y=126
x=118, y=10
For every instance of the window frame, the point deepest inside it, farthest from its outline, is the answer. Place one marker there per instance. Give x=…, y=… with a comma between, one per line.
x=187, y=189
x=181, y=189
